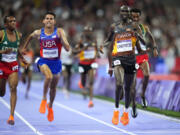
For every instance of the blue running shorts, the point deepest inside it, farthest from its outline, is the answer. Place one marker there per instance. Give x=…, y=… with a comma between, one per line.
x=54, y=65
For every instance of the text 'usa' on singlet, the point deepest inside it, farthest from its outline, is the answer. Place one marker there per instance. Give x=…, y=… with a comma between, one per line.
x=50, y=45
x=6, y=44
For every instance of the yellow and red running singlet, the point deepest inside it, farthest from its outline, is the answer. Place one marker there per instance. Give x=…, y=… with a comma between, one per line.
x=88, y=54
x=124, y=42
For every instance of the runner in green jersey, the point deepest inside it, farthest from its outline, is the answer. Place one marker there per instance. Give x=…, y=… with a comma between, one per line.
x=9, y=44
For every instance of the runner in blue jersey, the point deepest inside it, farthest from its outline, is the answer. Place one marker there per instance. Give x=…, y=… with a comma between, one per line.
x=51, y=41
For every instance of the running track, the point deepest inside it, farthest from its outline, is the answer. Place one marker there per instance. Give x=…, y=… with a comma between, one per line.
x=73, y=117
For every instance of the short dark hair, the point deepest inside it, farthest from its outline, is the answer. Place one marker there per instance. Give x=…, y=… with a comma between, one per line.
x=136, y=10
x=6, y=18
x=50, y=13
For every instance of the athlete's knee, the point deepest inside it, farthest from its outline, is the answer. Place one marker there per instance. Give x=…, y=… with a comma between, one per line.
x=49, y=77
x=119, y=87
x=91, y=82
x=53, y=87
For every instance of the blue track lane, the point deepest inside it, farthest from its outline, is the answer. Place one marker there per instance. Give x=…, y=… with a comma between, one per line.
x=73, y=117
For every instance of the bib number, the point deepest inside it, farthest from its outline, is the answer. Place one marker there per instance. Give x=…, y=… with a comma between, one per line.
x=50, y=53
x=89, y=54
x=124, y=45
x=9, y=57
x=117, y=62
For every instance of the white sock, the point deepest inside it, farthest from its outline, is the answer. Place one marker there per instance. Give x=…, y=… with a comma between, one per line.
x=116, y=109
x=126, y=109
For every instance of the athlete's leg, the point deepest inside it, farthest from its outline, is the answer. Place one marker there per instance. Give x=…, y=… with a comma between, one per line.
x=129, y=79
x=23, y=77
x=146, y=71
x=91, y=81
x=133, y=99
x=119, y=76
x=2, y=87
x=90, y=86
x=53, y=86
x=83, y=79
x=133, y=92
x=29, y=76
x=52, y=94
x=48, y=78
x=64, y=74
x=69, y=77
x=13, y=82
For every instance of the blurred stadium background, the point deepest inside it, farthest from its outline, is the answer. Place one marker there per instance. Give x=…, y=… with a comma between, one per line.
x=163, y=17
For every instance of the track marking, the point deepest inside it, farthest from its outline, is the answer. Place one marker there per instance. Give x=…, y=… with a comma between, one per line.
x=85, y=115
x=20, y=117
x=140, y=110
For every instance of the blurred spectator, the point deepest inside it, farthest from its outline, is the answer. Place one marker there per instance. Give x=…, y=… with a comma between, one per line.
x=72, y=15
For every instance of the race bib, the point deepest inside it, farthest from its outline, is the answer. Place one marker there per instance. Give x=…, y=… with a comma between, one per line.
x=50, y=53
x=117, y=62
x=15, y=68
x=124, y=45
x=89, y=54
x=9, y=57
x=28, y=58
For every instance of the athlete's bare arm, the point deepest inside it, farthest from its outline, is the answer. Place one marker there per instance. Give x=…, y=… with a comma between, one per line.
x=20, y=57
x=110, y=36
x=79, y=47
x=110, y=48
x=35, y=34
x=155, y=52
x=64, y=41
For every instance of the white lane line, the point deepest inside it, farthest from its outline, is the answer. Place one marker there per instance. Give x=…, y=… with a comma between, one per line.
x=83, y=132
x=142, y=111
x=85, y=115
x=20, y=117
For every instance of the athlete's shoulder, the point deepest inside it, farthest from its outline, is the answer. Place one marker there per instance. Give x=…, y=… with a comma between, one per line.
x=1, y=34
x=19, y=34
x=59, y=29
x=36, y=33
x=61, y=32
x=146, y=26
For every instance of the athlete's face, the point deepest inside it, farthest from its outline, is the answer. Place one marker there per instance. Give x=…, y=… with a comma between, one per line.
x=135, y=16
x=49, y=20
x=124, y=14
x=11, y=23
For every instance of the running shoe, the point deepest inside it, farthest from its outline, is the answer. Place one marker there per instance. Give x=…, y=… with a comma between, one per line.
x=90, y=104
x=80, y=85
x=124, y=118
x=50, y=115
x=115, y=119
x=134, y=112
x=10, y=121
x=144, y=102
x=42, y=108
